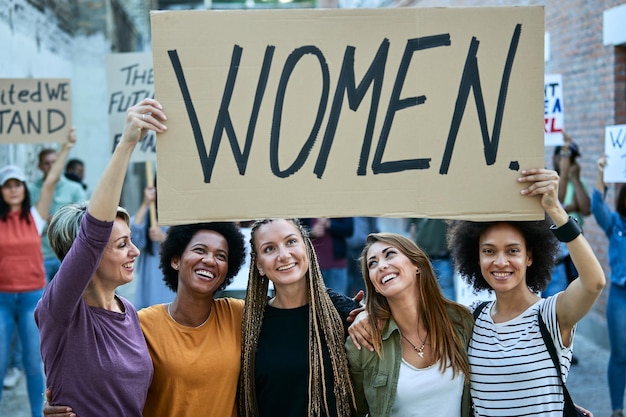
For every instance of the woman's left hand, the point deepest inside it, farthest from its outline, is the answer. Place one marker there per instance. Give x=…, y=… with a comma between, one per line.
x=586, y=413
x=542, y=182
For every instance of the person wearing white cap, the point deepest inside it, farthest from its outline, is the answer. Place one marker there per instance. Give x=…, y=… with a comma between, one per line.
x=22, y=275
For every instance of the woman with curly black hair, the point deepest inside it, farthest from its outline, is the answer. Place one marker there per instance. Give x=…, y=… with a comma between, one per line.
x=195, y=341
x=512, y=373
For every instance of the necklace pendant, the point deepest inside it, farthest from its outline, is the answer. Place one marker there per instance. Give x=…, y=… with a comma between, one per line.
x=420, y=354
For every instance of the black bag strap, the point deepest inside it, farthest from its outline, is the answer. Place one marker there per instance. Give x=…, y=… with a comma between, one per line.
x=480, y=308
x=570, y=409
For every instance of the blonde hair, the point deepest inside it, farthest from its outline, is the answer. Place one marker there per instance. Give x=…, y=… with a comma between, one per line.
x=65, y=223
x=325, y=330
x=447, y=341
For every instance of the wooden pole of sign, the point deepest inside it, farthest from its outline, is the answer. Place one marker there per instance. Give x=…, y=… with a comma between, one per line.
x=150, y=182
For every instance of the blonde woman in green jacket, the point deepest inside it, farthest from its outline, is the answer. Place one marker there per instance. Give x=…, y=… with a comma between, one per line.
x=419, y=363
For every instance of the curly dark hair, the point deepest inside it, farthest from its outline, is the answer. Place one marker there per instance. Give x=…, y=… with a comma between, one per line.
x=463, y=240
x=178, y=237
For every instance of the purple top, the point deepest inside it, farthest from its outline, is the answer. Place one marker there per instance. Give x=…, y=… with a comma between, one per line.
x=96, y=361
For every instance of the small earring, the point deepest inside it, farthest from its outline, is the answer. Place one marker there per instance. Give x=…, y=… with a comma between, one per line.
x=175, y=267
x=261, y=272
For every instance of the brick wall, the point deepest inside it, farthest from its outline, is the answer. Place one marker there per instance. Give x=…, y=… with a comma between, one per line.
x=594, y=84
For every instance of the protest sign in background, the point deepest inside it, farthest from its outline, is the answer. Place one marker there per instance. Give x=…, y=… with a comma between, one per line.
x=615, y=150
x=386, y=112
x=35, y=110
x=554, y=118
x=129, y=80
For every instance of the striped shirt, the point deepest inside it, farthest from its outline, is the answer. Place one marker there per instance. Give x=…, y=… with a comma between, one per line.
x=511, y=370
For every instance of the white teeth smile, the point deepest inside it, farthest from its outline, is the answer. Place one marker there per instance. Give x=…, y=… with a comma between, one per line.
x=128, y=265
x=204, y=273
x=388, y=278
x=501, y=274
x=286, y=267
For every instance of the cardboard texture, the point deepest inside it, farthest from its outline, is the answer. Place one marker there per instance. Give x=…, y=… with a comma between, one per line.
x=412, y=112
x=130, y=79
x=35, y=110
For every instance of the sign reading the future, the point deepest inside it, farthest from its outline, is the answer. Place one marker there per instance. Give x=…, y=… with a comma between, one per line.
x=35, y=110
x=414, y=112
x=130, y=79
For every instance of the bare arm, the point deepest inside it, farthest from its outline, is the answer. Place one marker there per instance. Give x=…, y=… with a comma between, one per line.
x=600, y=185
x=582, y=293
x=50, y=182
x=148, y=197
x=581, y=197
x=564, y=165
x=106, y=196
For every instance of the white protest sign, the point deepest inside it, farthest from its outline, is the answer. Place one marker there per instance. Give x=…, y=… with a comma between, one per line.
x=615, y=150
x=553, y=116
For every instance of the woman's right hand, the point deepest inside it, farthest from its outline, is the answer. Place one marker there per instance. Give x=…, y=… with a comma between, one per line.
x=149, y=195
x=56, y=410
x=601, y=163
x=142, y=117
x=360, y=332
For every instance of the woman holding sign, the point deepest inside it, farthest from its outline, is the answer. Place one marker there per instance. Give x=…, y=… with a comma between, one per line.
x=150, y=288
x=514, y=260
x=94, y=352
x=614, y=225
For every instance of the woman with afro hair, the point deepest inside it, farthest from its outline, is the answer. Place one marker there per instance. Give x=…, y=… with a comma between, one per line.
x=511, y=370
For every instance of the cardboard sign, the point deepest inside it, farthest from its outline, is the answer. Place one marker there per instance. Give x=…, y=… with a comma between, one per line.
x=130, y=79
x=35, y=110
x=553, y=116
x=615, y=151
x=414, y=112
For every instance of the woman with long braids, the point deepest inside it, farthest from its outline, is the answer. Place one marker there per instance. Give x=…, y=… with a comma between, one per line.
x=293, y=359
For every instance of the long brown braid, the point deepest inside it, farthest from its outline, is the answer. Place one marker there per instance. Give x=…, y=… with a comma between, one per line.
x=325, y=328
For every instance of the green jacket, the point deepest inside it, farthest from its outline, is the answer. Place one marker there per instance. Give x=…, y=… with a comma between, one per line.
x=375, y=378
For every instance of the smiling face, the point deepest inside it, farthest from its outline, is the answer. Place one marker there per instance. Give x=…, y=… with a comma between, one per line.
x=390, y=271
x=503, y=258
x=118, y=261
x=281, y=253
x=203, y=264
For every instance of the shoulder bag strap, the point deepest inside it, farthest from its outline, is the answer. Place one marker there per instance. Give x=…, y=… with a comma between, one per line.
x=570, y=409
x=479, y=308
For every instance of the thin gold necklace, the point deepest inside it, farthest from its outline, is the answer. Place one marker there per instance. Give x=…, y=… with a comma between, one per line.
x=419, y=350
x=169, y=312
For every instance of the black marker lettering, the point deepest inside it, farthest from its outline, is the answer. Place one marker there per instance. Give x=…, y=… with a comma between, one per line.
x=471, y=79
x=290, y=64
x=397, y=104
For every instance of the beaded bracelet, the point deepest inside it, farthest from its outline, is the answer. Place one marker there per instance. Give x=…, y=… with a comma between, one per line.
x=568, y=232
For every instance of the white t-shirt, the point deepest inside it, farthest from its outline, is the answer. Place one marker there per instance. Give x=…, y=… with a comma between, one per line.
x=512, y=373
x=427, y=392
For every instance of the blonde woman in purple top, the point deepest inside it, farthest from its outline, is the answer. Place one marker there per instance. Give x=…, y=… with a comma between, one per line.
x=94, y=353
